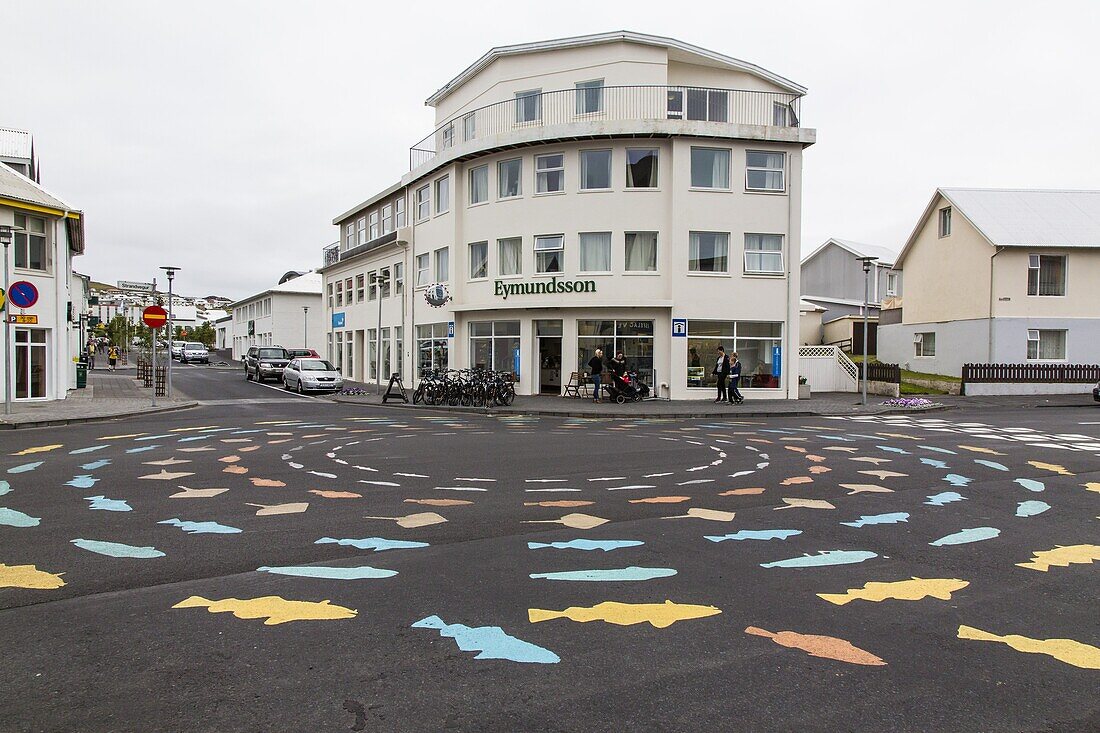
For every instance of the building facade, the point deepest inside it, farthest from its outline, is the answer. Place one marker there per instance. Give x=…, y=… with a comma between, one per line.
x=616, y=191
x=49, y=233
x=998, y=276
x=290, y=315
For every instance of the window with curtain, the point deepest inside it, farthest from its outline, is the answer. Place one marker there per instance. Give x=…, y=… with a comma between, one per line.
x=479, y=260
x=442, y=194
x=1046, y=345
x=641, y=252
x=589, y=97
x=595, y=251
x=373, y=229
x=549, y=253
x=641, y=167
x=924, y=344
x=384, y=284
x=469, y=126
x=398, y=277
x=448, y=136
x=442, y=265
x=708, y=252
x=508, y=174
x=361, y=230
x=423, y=203
x=510, y=253
x=549, y=173
x=710, y=168
x=529, y=106
x=1046, y=275
x=764, y=171
x=387, y=218
x=595, y=170
x=479, y=184
x=422, y=267
x=764, y=253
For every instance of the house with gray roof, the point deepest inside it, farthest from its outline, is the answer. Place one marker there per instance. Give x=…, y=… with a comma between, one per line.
x=998, y=276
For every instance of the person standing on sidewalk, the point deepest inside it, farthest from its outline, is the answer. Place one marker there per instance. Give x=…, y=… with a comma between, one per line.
x=735, y=380
x=112, y=357
x=721, y=371
x=595, y=367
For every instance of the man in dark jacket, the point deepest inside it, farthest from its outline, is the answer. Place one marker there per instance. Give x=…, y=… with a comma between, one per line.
x=595, y=368
x=735, y=380
x=721, y=371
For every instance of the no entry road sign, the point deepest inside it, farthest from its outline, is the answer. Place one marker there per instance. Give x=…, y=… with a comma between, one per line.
x=154, y=316
x=23, y=294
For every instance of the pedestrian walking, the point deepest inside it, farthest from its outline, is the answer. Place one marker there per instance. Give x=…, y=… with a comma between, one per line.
x=112, y=357
x=91, y=355
x=735, y=380
x=595, y=367
x=721, y=371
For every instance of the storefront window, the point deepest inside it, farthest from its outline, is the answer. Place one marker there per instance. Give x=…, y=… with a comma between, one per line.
x=431, y=348
x=633, y=338
x=494, y=345
x=30, y=363
x=752, y=341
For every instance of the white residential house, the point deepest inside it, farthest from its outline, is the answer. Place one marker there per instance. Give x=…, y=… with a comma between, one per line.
x=998, y=276
x=290, y=314
x=619, y=191
x=49, y=233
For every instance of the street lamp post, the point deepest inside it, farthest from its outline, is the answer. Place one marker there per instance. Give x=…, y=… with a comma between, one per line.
x=7, y=233
x=383, y=279
x=171, y=272
x=305, y=326
x=868, y=262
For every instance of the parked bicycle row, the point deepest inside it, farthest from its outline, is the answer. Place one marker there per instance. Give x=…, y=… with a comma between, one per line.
x=467, y=387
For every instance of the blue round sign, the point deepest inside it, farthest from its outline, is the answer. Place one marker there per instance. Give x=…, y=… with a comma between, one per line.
x=22, y=294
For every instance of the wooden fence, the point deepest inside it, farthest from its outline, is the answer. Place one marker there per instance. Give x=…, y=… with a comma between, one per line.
x=1041, y=373
x=879, y=372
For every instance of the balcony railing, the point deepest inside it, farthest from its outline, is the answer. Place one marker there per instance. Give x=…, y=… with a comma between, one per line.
x=610, y=104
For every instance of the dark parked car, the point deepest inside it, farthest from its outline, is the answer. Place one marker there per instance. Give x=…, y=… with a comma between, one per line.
x=265, y=362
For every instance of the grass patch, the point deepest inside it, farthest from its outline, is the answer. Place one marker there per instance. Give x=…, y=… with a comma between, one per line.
x=908, y=388
x=924, y=375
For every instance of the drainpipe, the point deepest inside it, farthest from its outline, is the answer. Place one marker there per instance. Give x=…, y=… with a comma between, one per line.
x=57, y=291
x=992, y=339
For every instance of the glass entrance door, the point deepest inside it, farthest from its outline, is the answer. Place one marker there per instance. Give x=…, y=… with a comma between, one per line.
x=30, y=364
x=549, y=334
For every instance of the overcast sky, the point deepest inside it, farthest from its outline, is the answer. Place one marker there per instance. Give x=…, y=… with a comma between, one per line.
x=224, y=136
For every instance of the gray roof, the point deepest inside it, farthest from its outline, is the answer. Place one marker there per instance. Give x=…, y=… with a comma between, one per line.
x=13, y=185
x=885, y=255
x=1030, y=218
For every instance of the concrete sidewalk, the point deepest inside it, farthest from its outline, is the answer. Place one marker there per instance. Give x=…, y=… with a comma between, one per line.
x=108, y=396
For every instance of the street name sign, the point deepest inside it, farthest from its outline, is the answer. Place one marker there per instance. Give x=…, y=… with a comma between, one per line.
x=131, y=285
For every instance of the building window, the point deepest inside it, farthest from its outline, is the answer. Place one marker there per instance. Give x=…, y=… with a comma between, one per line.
x=442, y=194
x=399, y=210
x=710, y=168
x=431, y=348
x=945, y=221
x=387, y=219
x=590, y=97
x=360, y=280
x=708, y=252
x=387, y=365
x=508, y=174
x=469, y=127
x=423, y=203
x=240, y=316
x=372, y=228
x=764, y=254
x=479, y=260
x=443, y=265
x=1046, y=345
x=595, y=170
x=595, y=251
x=372, y=353
x=783, y=115
x=448, y=136
x=549, y=173
x=493, y=345
x=764, y=171
x=891, y=283
x=349, y=235
x=479, y=184
x=510, y=256
x=549, y=253
x=633, y=338
x=641, y=167
x=398, y=279
x=398, y=346
x=754, y=342
x=529, y=106
x=641, y=252
x=1046, y=275
x=711, y=105
x=339, y=297
x=347, y=291
x=361, y=230
x=924, y=344
x=372, y=282
x=384, y=283
x=31, y=363
x=422, y=273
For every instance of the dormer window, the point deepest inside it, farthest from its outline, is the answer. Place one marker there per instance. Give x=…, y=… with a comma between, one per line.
x=945, y=221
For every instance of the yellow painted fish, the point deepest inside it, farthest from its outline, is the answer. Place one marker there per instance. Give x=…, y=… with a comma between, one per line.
x=977, y=449
x=37, y=449
x=28, y=576
x=825, y=647
x=1061, y=556
x=1092, y=486
x=903, y=590
x=1069, y=651
x=274, y=609
x=1054, y=467
x=658, y=615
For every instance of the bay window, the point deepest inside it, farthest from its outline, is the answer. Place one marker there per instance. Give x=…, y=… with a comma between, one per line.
x=595, y=170
x=508, y=175
x=479, y=184
x=641, y=167
x=549, y=173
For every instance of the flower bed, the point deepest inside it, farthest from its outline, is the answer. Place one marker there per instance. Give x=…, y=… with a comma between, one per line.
x=912, y=402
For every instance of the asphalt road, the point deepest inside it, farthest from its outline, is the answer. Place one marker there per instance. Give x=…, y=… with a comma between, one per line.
x=210, y=383
x=113, y=649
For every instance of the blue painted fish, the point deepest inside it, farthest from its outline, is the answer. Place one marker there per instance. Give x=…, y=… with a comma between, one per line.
x=360, y=572
x=583, y=544
x=755, y=534
x=13, y=518
x=945, y=497
x=108, y=505
x=632, y=573
x=824, y=557
x=890, y=518
x=201, y=527
x=378, y=544
x=117, y=549
x=966, y=536
x=489, y=641
x=1031, y=508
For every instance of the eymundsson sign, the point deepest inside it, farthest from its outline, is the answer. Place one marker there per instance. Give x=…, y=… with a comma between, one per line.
x=546, y=287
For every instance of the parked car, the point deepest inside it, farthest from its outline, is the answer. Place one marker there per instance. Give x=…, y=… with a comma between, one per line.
x=265, y=362
x=312, y=375
x=303, y=353
x=195, y=352
x=177, y=349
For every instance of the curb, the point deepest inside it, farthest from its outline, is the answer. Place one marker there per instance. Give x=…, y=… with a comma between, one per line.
x=98, y=418
x=688, y=415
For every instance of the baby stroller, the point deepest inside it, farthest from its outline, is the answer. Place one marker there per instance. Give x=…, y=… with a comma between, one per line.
x=626, y=387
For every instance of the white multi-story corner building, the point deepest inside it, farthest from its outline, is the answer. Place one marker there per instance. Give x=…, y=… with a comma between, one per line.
x=621, y=191
x=289, y=314
x=47, y=334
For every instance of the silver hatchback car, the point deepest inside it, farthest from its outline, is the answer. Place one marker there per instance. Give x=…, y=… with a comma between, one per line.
x=312, y=375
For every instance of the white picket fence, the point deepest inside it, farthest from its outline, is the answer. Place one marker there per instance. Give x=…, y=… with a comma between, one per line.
x=827, y=369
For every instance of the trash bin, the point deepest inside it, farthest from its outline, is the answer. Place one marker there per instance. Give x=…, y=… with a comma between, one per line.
x=81, y=374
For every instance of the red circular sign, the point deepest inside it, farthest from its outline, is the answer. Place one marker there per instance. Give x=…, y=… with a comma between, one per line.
x=154, y=316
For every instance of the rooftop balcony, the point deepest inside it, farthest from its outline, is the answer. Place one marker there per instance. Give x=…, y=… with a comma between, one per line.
x=594, y=111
